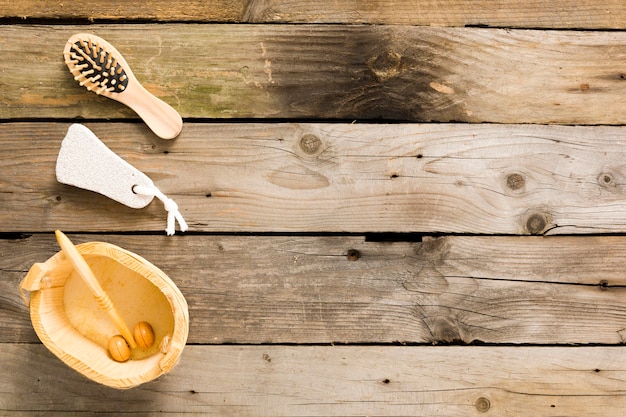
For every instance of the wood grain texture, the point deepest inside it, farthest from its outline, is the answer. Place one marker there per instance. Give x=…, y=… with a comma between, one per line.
x=458, y=178
x=331, y=380
x=303, y=299
x=331, y=72
x=534, y=14
x=273, y=289
x=127, y=10
x=581, y=14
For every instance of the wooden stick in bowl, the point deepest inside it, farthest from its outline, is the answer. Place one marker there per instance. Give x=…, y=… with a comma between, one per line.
x=105, y=303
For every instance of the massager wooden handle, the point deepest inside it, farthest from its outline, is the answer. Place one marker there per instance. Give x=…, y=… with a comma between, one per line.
x=105, y=303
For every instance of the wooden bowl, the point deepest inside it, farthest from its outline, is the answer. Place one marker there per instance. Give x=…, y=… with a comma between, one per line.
x=69, y=322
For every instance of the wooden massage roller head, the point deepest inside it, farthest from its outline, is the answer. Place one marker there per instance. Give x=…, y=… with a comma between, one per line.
x=100, y=68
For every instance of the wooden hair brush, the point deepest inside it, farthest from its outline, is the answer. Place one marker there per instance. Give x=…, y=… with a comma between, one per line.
x=99, y=67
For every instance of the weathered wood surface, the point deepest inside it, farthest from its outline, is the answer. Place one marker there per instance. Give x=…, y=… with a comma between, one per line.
x=331, y=72
x=332, y=380
x=588, y=14
x=605, y=14
x=289, y=319
x=480, y=179
x=272, y=289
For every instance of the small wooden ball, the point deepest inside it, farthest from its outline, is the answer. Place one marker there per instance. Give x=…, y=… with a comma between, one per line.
x=118, y=348
x=144, y=335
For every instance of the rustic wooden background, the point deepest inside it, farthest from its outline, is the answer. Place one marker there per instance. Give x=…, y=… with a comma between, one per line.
x=396, y=207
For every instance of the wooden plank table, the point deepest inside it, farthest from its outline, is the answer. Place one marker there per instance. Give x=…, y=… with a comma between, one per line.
x=395, y=208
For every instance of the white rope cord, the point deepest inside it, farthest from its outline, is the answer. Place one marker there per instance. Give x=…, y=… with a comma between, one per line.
x=173, y=214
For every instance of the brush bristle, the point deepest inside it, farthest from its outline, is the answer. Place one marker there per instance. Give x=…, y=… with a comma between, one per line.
x=95, y=68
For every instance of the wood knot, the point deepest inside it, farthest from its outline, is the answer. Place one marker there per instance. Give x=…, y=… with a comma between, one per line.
x=310, y=144
x=515, y=182
x=441, y=88
x=386, y=65
x=482, y=404
x=443, y=329
x=606, y=180
x=433, y=248
x=353, y=255
x=536, y=223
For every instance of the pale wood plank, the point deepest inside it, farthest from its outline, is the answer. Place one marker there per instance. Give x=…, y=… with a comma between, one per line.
x=331, y=71
x=503, y=179
x=273, y=289
x=331, y=380
x=589, y=14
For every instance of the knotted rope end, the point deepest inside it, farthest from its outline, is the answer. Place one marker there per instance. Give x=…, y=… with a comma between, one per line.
x=173, y=214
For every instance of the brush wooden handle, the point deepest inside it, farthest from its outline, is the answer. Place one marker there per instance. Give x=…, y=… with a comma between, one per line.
x=160, y=117
x=100, y=68
x=105, y=303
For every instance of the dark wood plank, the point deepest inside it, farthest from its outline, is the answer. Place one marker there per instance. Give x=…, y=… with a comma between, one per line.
x=331, y=72
x=271, y=289
x=581, y=14
x=486, y=179
x=534, y=14
x=158, y=10
x=331, y=380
